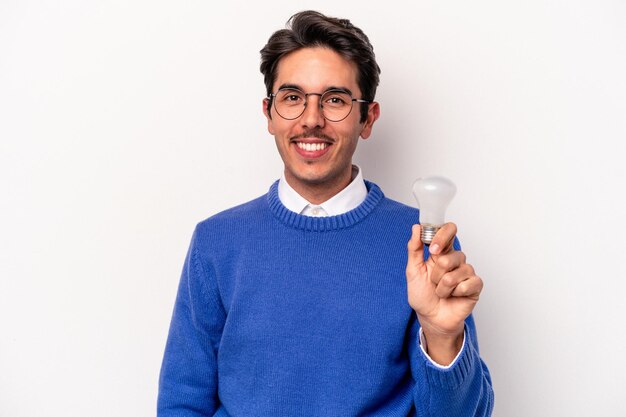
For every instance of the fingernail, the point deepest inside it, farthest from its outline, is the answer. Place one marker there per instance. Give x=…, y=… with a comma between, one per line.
x=434, y=249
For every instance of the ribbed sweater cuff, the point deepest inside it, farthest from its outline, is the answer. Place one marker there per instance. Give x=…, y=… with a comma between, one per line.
x=454, y=376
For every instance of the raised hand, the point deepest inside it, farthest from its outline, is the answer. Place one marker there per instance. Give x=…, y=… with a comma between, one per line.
x=442, y=290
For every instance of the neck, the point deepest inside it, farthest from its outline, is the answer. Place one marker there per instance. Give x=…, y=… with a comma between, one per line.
x=317, y=193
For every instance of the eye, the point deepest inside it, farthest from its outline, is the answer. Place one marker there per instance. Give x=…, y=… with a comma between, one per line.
x=290, y=97
x=336, y=99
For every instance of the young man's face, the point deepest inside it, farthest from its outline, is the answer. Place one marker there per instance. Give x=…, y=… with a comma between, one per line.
x=318, y=153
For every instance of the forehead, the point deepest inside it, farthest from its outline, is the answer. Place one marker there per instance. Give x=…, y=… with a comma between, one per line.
x=316, y=69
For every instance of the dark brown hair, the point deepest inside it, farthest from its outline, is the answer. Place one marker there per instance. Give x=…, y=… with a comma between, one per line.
x=310, y=29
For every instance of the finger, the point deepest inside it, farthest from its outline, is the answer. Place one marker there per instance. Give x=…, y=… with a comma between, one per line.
x=451, y=280
x=443, y=240
x=471, y=287
x=415, y=247
x=443, y=264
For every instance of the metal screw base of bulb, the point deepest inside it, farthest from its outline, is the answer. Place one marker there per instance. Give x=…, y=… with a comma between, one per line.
x=428, y=232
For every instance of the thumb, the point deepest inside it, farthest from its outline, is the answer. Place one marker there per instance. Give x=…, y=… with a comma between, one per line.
x=415, y=250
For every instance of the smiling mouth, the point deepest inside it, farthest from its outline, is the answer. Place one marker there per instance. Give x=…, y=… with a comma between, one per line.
x=312, y=147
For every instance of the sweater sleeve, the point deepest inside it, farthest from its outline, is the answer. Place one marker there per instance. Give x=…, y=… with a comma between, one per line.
x=462, y=390
x=188, y=379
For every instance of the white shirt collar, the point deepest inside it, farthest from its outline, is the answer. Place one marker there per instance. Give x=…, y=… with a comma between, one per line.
x=347, y=199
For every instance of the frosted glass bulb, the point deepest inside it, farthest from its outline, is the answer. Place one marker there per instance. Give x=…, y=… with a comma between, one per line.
x=433, y=194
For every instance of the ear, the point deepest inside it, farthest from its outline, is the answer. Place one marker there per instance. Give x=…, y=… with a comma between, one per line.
x=373, y=113
x=266, y=112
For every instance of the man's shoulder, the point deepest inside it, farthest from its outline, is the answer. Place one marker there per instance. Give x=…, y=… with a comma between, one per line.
x=217, y=233
x=396, y=213
x=396, y=207
x=391, y=204
x=236, y=213
x=392, y=212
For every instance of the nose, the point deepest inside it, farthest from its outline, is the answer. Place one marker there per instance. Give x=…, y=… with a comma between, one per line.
x=312, y=116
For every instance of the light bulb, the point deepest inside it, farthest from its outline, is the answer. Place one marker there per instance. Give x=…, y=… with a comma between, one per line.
x=433, y=194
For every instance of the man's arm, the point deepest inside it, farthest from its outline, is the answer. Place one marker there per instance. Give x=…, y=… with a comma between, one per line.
x=443, y=290
x=188, y=381
x=462, y=390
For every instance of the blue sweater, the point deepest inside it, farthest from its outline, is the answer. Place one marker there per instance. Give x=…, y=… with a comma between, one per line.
x=279, y=314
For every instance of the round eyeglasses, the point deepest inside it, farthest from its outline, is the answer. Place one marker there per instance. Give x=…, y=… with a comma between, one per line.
x=335, y=105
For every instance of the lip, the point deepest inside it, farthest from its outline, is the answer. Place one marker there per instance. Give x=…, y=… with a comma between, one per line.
x=311, y=154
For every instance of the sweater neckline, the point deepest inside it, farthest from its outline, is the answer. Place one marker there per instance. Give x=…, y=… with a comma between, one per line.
x=321, y=224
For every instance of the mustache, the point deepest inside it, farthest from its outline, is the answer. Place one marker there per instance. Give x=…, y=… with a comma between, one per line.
x=313, y=133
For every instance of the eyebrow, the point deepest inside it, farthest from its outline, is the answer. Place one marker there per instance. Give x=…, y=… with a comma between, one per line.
x=331, y=88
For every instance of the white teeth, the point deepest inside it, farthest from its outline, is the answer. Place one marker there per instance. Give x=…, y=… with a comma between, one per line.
x=310, y=147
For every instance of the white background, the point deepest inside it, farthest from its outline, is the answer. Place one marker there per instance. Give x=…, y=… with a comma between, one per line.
x=124, y=123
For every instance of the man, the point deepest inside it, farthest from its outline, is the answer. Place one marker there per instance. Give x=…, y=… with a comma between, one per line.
x=295, y=304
